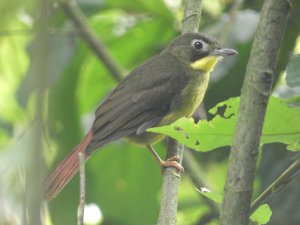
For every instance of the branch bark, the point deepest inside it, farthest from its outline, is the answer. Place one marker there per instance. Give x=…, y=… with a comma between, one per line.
x=35, y=167
x=254, y=98
x=82, y=189
x=168, y=204
x=192, y=15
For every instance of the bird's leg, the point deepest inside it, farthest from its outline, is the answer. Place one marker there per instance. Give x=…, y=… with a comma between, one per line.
x=171, y=162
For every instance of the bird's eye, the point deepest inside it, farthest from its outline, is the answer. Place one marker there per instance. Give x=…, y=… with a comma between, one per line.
x=198, y=44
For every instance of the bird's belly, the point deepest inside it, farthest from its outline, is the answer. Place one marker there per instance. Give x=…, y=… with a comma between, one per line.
x=193, y=95
x=146, y=138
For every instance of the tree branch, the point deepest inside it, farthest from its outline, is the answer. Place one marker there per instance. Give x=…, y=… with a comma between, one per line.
x=254, y=98
x=168, y=204
x=283, y=180
x=82, y=188
x=35, y=167
x=192, y=15
x=72, y=10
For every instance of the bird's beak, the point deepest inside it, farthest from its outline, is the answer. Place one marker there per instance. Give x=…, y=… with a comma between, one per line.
x=223, y=52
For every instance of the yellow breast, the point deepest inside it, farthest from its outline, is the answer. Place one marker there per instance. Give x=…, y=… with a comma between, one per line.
x=192, y=95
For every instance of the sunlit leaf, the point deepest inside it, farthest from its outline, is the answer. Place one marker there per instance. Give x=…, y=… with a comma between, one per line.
x=208, y=135
x=261, y=215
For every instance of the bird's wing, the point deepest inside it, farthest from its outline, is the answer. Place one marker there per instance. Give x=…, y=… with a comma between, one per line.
x=140, y=101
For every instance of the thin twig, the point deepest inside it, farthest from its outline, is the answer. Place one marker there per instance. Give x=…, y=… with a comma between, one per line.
x=281, y=182
x=82, y=189
x=72, y=10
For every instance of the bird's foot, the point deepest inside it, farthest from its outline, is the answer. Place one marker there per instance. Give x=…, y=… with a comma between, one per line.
x=172, y=162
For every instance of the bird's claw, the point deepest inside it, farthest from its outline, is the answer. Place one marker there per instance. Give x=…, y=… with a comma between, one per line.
x=172, y=162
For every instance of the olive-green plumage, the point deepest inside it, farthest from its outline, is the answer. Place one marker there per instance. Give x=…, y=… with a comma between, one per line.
x=165, y=88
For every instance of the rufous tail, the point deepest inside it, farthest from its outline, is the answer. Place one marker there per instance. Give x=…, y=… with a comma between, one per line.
x=66, y=169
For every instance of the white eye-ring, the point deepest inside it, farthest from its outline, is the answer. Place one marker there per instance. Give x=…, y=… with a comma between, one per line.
x=198, y=44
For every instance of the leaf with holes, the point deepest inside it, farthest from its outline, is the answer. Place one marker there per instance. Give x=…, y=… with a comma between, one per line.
x=280, y=126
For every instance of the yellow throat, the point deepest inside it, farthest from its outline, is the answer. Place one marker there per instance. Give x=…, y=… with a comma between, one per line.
x=205, y=64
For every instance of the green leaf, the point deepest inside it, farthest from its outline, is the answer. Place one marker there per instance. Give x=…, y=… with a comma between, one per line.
x=293, y=72
x=281, y=124
x=206, y=135
x=262, y=214
x=293, y=147
x=218, y=132
x=216, y=197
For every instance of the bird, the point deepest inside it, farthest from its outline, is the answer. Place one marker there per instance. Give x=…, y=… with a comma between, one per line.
x=165, y=88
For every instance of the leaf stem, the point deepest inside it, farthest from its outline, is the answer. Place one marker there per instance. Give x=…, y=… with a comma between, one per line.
x=281, y=182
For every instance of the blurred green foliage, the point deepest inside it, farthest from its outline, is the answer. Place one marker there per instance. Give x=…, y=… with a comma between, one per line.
x=293, y=71
x=122, y=179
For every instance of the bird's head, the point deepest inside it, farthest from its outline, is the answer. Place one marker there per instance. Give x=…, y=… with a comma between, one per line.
x=199, y=51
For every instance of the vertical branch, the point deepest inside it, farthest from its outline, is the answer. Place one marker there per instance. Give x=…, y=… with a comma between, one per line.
x=168, y=204
x=254, y=99
x=192, y=15
x=82, y=189
x=169, y=199
x=35, y=168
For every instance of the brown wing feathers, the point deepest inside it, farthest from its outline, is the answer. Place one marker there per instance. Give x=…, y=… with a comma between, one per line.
x=130, y=108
